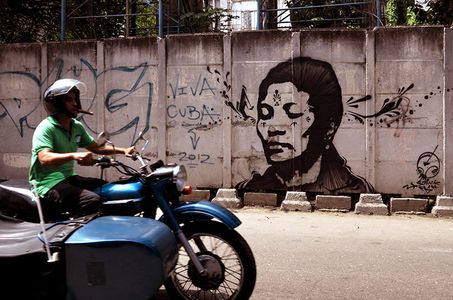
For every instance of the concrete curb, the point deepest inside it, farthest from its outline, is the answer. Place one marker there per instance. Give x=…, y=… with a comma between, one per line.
x=409, y=205
x=371, y=204
x=296, y=201
x=333, y=203
x=443, y=207
x=227, y=198
x=260, y=199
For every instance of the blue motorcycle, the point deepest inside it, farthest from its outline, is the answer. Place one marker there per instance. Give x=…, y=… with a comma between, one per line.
x=192, y=248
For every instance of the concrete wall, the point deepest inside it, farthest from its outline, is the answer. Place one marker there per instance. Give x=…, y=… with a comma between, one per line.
x=366, y=110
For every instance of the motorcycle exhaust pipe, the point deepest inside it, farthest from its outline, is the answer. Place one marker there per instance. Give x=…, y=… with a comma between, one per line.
x=82, y=111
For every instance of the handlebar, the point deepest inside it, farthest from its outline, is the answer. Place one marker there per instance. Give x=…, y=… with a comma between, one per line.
x=103, y=161
x=107, y=162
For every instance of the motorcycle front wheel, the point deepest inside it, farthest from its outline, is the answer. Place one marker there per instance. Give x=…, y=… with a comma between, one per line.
x=229, y=261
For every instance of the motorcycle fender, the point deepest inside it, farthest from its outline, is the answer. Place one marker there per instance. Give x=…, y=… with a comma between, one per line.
x=204, y=210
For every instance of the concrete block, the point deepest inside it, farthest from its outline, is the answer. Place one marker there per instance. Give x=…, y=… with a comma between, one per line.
x=443, y=200
x=197, y=195
x=227, y=198
x=296, y=201
x=371, y=199
x=371, y=204
x=443, y=207
x=333, y=203
x=408, y=205
x=260, y=199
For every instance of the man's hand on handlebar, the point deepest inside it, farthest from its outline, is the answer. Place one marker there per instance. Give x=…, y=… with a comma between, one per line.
x=84, y=158
x=129, y=152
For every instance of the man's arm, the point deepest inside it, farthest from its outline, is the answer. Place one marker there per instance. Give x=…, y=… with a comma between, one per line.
x=51, y=159
x=107, y=150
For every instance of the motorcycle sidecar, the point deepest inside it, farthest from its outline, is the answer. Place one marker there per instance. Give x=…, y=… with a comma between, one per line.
x=119, y=257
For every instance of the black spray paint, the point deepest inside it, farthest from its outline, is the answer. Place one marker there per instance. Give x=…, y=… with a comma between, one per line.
x=428, y=167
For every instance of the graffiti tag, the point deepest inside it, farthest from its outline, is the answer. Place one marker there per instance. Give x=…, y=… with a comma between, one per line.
x=428, y=167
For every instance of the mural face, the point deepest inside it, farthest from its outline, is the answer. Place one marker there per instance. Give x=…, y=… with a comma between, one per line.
x=318, y=167
x=277, y=139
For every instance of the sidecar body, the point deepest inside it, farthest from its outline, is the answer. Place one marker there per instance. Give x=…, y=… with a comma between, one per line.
x=118, y=257
x=108, y=257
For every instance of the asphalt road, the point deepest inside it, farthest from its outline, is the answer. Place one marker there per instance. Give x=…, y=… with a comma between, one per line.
x=347, y=256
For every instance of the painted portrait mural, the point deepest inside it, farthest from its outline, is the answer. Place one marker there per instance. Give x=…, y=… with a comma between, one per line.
x=317, y=165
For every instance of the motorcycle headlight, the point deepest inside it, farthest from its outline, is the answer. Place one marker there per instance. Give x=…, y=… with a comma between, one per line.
x=180, y=177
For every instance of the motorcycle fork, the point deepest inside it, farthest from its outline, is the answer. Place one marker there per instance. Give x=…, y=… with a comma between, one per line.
x=166, y=209
x=149, y=206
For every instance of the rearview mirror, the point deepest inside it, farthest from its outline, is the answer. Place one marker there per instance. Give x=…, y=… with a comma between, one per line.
x=141, y=137
x=103, y=138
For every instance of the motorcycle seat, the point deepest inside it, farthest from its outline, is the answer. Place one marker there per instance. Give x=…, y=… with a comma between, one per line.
x=15, y=195
x=18, y=188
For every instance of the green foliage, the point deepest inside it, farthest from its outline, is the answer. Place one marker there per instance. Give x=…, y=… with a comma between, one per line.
x=208, y=20
x=81, y=26
x=147, y=23
x=391, y=12
x=23, y=21
x=407, y=12
x=404, y=12
x=327, y=16
x=440, y=12
x=396, y=12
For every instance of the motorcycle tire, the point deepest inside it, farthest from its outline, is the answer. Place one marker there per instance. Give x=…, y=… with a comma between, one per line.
x=226, y=256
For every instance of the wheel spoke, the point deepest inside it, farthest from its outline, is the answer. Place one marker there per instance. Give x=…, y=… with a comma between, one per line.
x=181, y=275
x=227, y=251
x=181, y=269
x=187, y=290
x=235, y=275
x=227, y=288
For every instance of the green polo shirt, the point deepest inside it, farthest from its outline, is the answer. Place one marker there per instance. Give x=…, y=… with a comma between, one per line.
x=52, y=136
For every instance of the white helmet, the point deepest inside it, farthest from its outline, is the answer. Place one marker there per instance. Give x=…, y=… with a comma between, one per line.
x=54, y=94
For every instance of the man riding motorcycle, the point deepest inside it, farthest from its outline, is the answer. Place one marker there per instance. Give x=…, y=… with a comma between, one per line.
x=54, y=150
